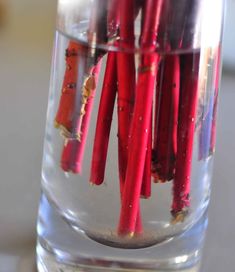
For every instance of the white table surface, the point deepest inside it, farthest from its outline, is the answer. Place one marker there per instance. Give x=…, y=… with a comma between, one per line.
x=25, y=53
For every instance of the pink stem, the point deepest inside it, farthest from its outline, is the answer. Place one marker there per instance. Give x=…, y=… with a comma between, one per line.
x=186, y=127
x=141, y=120
x=166, y=143
x=104, y=120
x=126, y=83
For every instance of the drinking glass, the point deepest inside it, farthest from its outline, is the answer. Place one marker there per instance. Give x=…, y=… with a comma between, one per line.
x=130, y=135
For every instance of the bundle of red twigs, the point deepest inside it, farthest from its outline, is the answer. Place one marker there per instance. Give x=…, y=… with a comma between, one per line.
x=162, y=94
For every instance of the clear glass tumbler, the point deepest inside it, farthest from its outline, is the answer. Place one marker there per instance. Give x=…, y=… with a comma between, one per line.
x=130, y=135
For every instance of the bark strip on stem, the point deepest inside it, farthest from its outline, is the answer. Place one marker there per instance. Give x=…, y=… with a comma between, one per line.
x=64, y=116
x=74, y=148
x=72, y=154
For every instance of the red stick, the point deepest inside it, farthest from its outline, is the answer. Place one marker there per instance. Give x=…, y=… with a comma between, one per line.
x=104, y=120
x=113, y=18
x=152, y=12
x=126, y=89
x=126, y=82
x=64, y=116
x=137, y=150
x=146, y=183
x=138, y=225
x=166, y=146
x=156, y=117
x=127, y=16
x=73, y=152
x=76, y=147
x=186, y=127
x=141, y=120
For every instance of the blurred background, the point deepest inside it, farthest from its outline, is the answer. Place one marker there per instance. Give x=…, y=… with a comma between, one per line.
x=26, y=40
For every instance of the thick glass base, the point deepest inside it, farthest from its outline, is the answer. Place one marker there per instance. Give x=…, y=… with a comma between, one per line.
x=62, y=249
x=47, y=262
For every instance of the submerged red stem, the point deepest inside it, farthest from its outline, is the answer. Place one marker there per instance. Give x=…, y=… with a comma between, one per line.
x=166, y=143
x=104, y=120
x=185, y=137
